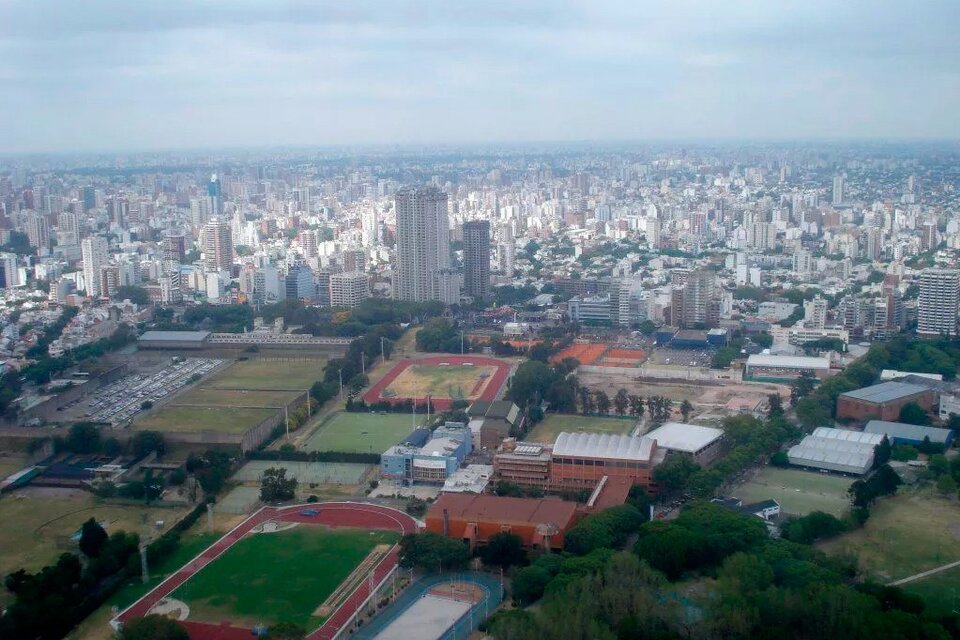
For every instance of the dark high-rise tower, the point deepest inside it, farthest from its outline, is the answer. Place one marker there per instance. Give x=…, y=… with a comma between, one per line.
x=215, y=195
x=476, y=258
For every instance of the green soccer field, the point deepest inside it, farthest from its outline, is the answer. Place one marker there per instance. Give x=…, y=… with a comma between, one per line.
x=798, y=492
x=555, y=423
x=270, y=374
x=278, y=577
x=173, y=419
x=361, y=432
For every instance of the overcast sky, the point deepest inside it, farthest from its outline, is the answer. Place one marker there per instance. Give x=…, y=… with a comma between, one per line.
x=153, y=74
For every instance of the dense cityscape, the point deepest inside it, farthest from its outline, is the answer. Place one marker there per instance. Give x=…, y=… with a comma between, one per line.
x=508, y=321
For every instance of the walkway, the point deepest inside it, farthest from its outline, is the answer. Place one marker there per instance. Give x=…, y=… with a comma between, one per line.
x=923, y=574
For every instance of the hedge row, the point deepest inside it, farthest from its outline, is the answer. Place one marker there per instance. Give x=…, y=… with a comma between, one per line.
x=314, y=456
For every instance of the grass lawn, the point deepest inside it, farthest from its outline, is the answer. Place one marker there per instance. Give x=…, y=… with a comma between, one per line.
x=173, y=419
x=906, y=534
x=798, y=492
x=305, y=472
x=453, y=381
x=270, y=374
x=10, y=463
x=278, y=577
x=551, y=426
x=212, y=397
x=36, y=528
x=361, y=432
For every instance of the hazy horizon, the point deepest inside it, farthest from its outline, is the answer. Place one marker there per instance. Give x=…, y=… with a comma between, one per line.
x=115, y=77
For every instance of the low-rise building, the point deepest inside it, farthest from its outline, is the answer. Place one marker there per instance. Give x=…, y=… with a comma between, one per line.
x=432, y=463
x=580, y=460
x=701, y=444
x=912, y=434
x=883, y=401
x=785, y=368
x=839, y=450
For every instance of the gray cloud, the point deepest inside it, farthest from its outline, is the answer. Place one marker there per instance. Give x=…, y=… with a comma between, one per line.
x=179, y=73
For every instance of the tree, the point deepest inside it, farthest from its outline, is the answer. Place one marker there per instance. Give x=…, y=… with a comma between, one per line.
x=153, y=627
x=603, y=402
x=685, y=409
x=913, y=413
x=780, y=459
x=529, y=583
x=620, y=402
x=286, y=631
x=84, y=437
x=92, y=538
x=432, y=552
x=636, y=405
x=586, y=400
x=802, y=386
x=946, y=485
x=146, y=442
x=774, y=405
x=276, y=487
x=505, y=550
x=136, y=295
x=672, y=474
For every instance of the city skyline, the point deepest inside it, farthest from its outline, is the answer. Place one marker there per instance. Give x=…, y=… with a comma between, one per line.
x=212, y=75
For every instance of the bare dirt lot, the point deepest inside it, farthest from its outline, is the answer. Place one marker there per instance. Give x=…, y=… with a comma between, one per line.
x=701, y=394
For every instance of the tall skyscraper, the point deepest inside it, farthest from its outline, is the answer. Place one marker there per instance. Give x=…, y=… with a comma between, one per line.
x=38, y=232
x=9, y=273
x=93, y=250
x=88, y=196
x=299, y=284
x=838, y=186
x=423, y=245
x=217, y=246
x=939, y=302
x=695, y=299
x=476, y=259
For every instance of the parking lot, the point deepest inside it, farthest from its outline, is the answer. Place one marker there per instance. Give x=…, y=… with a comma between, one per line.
x=120, y=401
x=682, y=357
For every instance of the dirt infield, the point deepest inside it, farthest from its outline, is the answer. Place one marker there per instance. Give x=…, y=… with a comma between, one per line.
x=463, y=591
x=330, y=514
x=488, y=390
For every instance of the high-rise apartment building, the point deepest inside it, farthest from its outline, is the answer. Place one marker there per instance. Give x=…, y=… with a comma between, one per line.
x=349, y=289
x=939, y=302
x=696, y=301
x=174, y=247
x=308, y=243
x=38, y=232
x=93, y=251
x=217, y=246
x=838, y=188
x=476, y=259
x=68, y=229
x=815, y=313
x=9, y=273
x=423, y=245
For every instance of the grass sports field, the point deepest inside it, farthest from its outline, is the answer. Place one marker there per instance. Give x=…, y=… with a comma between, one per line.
x=278, y=577
x=305, y=472
x=439, y=381
x=906, y=534
x=798, y=492
x=172, y=419
x=206, y=396
x=361, y=432
x=551, y=426
x=270, y=374
x=36, y=524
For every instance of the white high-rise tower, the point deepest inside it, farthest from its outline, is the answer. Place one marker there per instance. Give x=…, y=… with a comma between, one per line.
x=423, y=244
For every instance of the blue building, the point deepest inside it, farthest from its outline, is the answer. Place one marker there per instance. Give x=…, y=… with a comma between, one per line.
x=437, y=459
x=912, y=434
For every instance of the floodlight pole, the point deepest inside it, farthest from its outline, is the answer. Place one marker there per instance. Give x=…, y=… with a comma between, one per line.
x=363, y=366
x=382, y=356
x=145, y=574
x=286, y=419
x=461, y=343
x=340, y=373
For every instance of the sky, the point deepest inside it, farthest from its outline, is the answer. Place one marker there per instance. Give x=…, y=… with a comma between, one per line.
x=129, y=75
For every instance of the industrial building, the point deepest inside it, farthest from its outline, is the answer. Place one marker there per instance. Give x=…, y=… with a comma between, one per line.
x=912, y=434
x=173, y=340
x=702, y=444
x=763, y=366
x=839, y=450
x=883, y=401
x=581, y=460
x=432, y=463
x=475, y=519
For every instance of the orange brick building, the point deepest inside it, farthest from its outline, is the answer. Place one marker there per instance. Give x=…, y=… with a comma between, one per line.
x=580, y=460
x=540, y=522
x=883, y=401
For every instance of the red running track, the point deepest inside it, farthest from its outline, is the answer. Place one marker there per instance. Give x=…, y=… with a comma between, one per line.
x=360, y=515
x=490, y=392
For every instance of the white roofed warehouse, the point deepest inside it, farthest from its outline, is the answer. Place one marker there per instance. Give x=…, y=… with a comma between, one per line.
x=838, y=450
x=702, y=444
